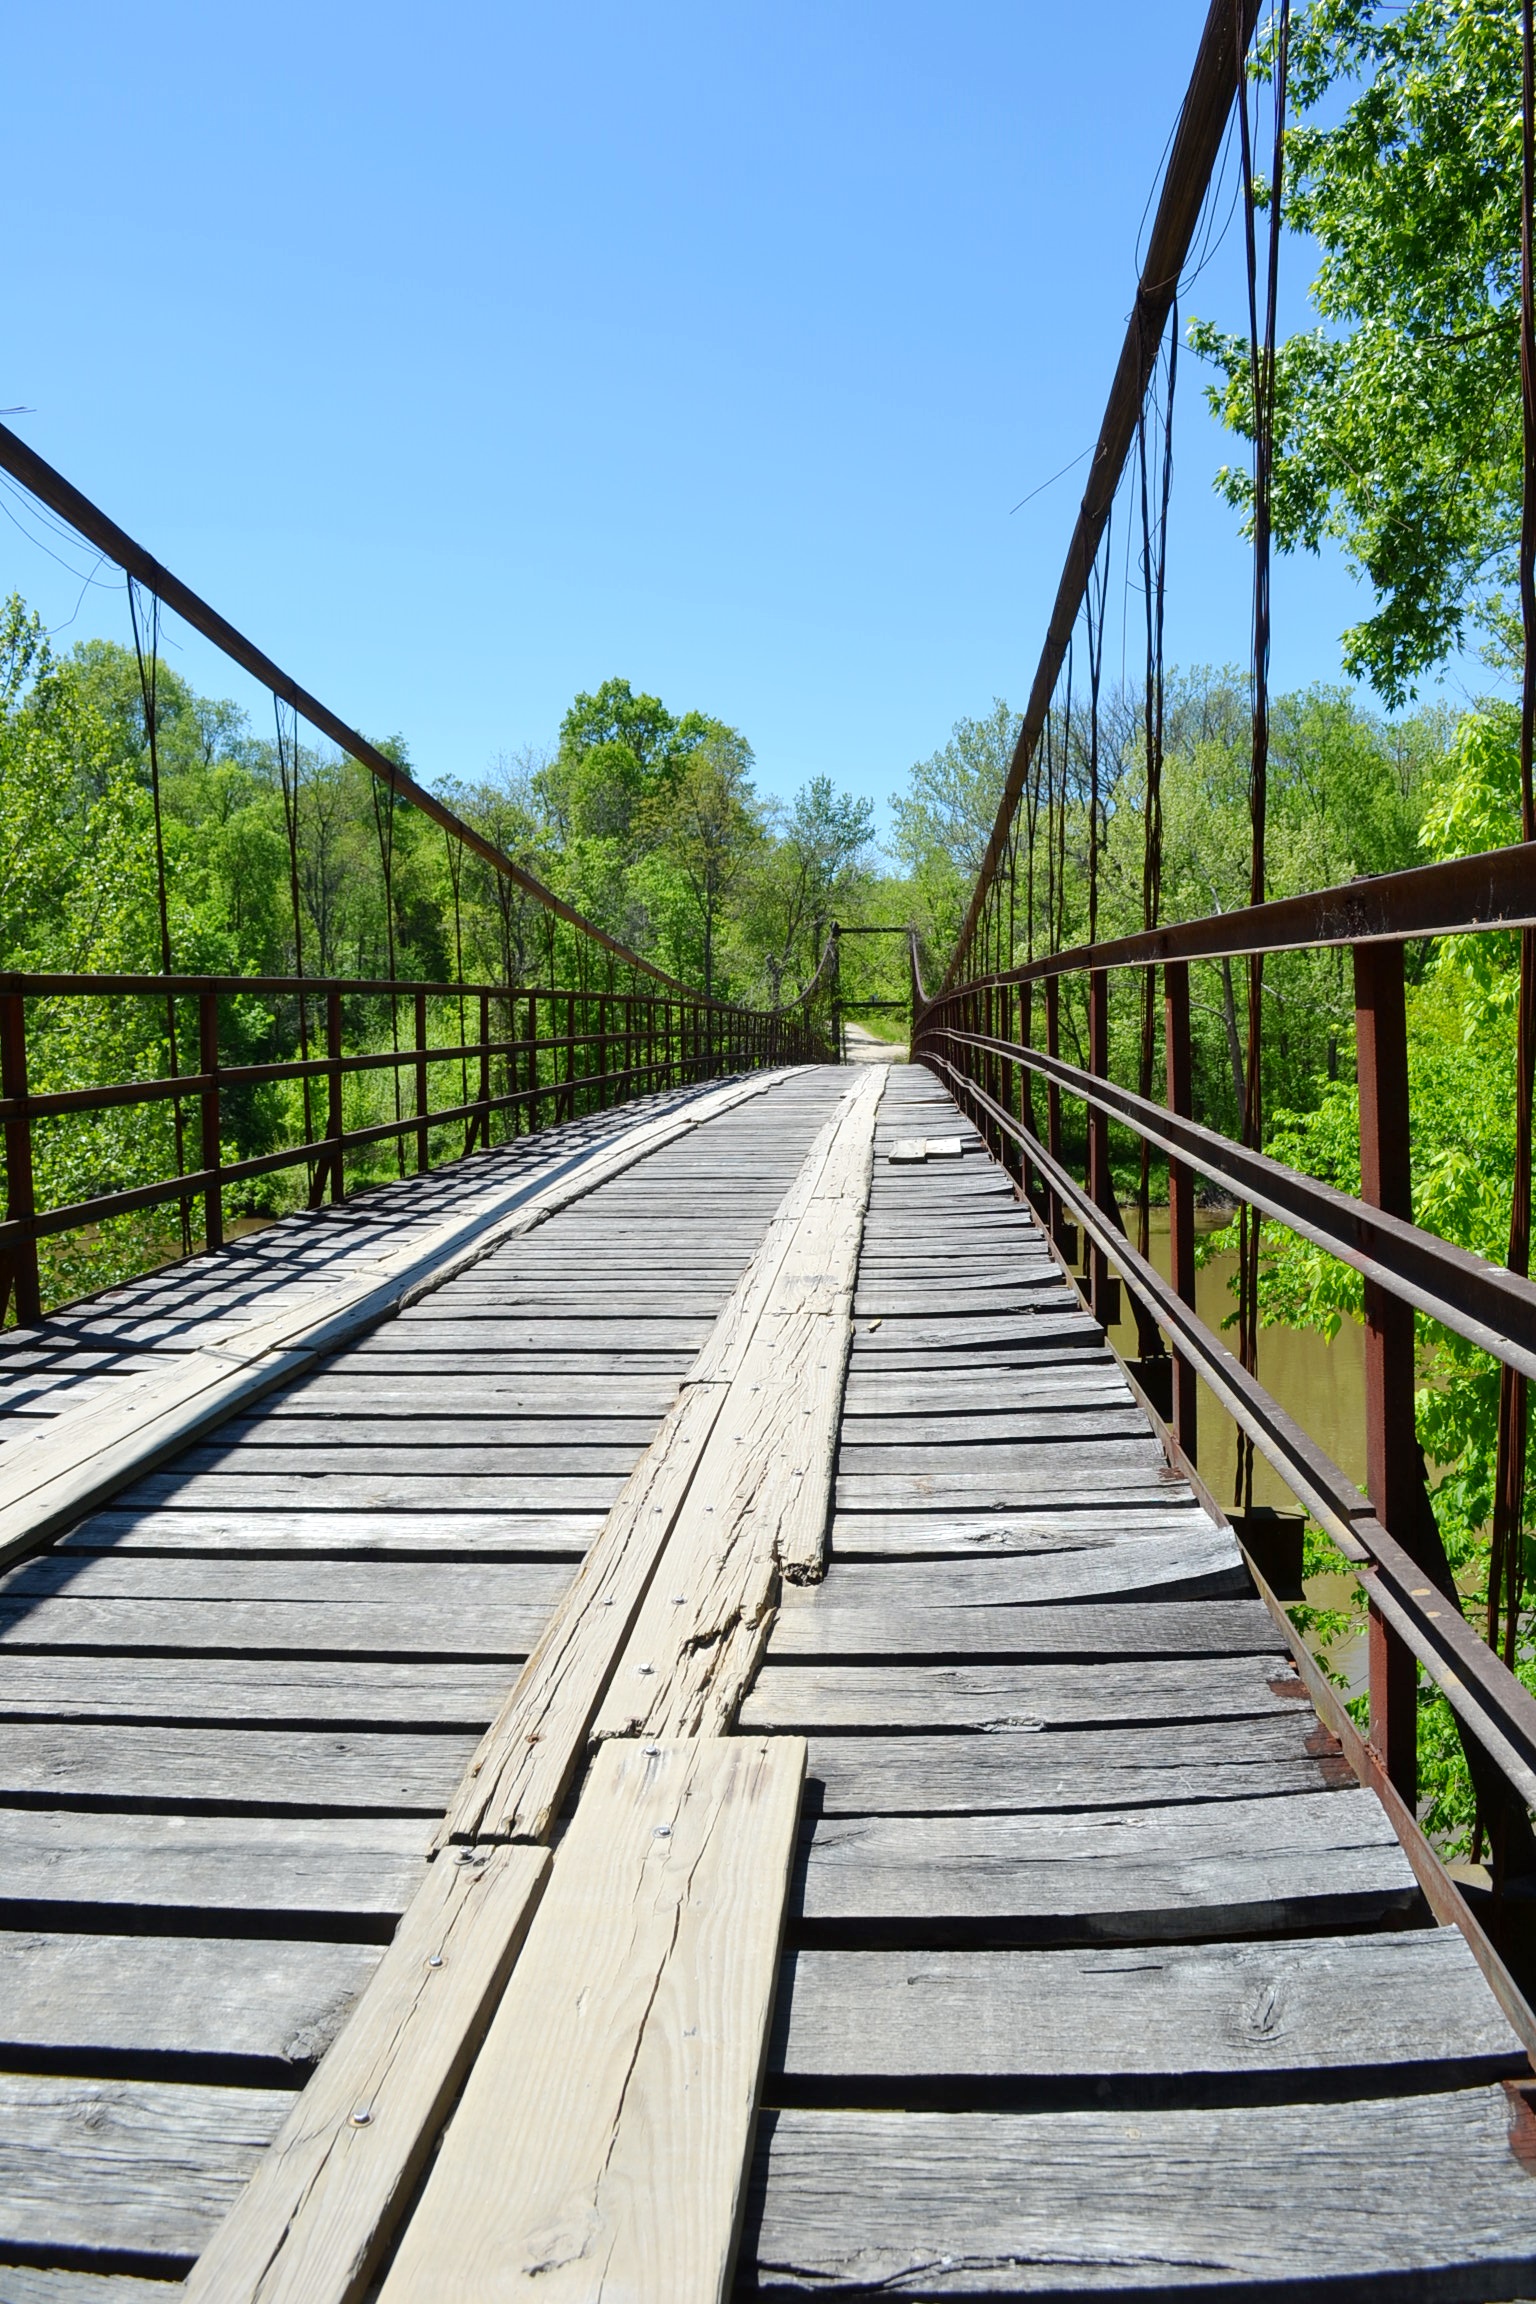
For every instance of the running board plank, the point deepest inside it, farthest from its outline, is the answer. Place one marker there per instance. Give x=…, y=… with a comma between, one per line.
x=603, y=2139
x=312, y=2224
x=524, y=1764
x=759, y=1502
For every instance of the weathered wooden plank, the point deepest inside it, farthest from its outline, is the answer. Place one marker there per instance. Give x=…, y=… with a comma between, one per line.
x=498, y=1587
x=412, y=1421
x=373, y=1492
x=991, y=1575
x=277, y=1691
x=1406, y=2198
x=1087, y=1550
x=442, y=1534
x=221, y=1998
x=1073, y=1421
x=27, y=2284
x=443, y=1628
x=1410, y=2004
x=344, y=1874
x=1120, y=1767
x=1069, y=1556
x=1222, y=1868
x=1004, y=1344
x=444, y=1458
x=603, y=2138
x=322, y=2205
x=333, y=1769
x=140, y=2168
x=1021, y=1697
x=831, y=1628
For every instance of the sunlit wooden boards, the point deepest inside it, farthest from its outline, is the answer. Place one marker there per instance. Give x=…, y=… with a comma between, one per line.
x=226, y=1361
x=231, y=1715
x=1102, y=1974
x=600, y=2147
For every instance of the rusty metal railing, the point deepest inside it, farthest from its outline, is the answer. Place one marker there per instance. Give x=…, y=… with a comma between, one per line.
x=981, y=1039
x=533, y=1055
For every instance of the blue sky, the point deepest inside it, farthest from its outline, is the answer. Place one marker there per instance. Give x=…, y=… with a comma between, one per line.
x=466, y=359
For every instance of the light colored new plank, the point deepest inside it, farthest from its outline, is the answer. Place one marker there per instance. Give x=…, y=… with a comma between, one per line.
x=601, y=2145
x=315, y=2218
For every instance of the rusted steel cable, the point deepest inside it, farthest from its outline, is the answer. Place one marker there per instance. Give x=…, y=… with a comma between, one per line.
x=62, y=497
x=1196, y=143
x=149, y=691
x=1261, y=348
x=1154, y=550
x=1505, y=1565
x=289, y=779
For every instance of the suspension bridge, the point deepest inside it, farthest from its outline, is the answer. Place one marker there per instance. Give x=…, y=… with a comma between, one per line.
x=649, y=1710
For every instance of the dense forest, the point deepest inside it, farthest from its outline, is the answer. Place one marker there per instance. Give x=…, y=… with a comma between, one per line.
x=1397, y=436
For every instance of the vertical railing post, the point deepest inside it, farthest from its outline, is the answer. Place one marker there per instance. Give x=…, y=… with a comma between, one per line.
x=603, y=1097
x=208, y=1065
x=1029, y=1172
x=334, y=1128
x=20, y=1262
x=1060, y=1232
x=483, y=1116
x=1181, y=1195
x=423, y=1148
x=1394, y=1473
x=1103, y=1291
x=568, y=1109
x=531, y=1069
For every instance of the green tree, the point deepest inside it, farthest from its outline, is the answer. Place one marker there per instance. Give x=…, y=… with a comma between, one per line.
x=942, y=820
x=706, y=827
x=1398, y=417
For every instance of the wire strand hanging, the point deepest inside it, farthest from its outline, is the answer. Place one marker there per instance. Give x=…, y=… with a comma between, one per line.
x=1506, y=1564
x=149, y=691
x=1261, y=345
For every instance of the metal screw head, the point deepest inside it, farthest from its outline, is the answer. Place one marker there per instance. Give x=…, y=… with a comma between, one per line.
x=362, y=2114
x=661, y=1831
x=646, y=1671
x=434, y=1959
x=651, y=1751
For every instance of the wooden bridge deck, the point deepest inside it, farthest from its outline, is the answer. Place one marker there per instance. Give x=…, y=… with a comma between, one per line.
x=1099, y=1974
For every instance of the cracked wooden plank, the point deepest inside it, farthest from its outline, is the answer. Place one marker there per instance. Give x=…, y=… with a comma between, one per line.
x=759, y=1506
x=601, y=2146
x=313, y=2222
x=1402, y=2197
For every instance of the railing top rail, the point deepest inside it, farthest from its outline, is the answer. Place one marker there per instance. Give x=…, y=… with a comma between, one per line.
x=38, y=984
x=1463, y=896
